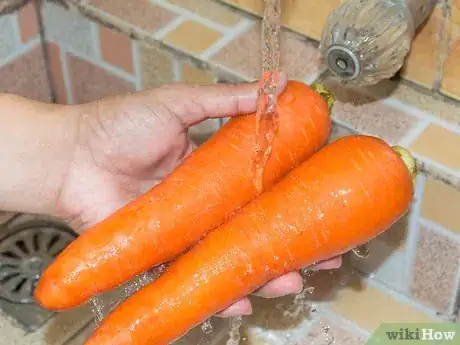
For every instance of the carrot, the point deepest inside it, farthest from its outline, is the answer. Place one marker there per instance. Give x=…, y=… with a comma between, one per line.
x=202, y=193
x=343, y=196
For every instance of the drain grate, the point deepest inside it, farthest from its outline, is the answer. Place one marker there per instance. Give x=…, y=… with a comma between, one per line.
x=28, y=244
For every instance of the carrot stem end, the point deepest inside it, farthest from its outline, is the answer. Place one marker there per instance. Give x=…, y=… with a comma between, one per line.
x=327, y=94
x=408, y=159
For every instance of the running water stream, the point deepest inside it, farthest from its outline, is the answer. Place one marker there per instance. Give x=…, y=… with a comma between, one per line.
x=266, y=116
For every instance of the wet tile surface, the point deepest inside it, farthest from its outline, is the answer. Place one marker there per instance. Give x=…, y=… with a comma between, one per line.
x=299, y=58
x=141, y=13
x=358, y=302
x=435, y=270
x=90, y=82
x=327, y=331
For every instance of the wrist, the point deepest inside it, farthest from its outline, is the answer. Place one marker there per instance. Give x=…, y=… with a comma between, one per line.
x=37, y=144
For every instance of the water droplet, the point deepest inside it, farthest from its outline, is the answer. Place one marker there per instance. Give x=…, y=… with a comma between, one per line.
x=206, y=327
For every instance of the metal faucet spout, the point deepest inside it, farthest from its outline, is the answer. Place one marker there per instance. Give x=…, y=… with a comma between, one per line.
x=365, y=41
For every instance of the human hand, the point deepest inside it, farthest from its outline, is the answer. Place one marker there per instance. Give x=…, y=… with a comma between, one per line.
x=129, y=143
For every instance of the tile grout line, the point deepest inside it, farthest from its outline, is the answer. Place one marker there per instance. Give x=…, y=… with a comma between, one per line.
x=176, y=69
x=244, y=26
x=413, y=233
x=440, y=230
x=435, y=165
x=351, y=324
x=96, y=39
x=193, y=16
x=14, y=19
x=136, y=64
x=102, y=64
x=415, y=132
x=416, y=112
x=66, y=74
x=24, y=49
x=403, y=299
x=455, y=303
x=173, y=24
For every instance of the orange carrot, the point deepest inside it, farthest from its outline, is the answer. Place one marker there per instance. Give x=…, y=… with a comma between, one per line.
x=343, y=196
x=200, y=194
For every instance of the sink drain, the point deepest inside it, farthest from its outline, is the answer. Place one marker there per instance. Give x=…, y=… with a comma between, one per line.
x=24, y=253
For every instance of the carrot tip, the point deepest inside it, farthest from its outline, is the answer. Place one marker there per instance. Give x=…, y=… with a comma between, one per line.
x=408, y=159
x=326, y=94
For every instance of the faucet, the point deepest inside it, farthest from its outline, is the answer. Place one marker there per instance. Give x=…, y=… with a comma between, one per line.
x=366, y=41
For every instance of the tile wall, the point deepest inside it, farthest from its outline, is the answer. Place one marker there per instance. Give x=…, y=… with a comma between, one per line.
x=103, y=47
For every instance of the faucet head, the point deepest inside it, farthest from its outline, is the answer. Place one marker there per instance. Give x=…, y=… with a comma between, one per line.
x=343, y=62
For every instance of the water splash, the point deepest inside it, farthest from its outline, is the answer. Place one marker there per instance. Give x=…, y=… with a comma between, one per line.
x=101, y=307
x=206, y=327
x=362, y=251
x=266, y=116
x=98, y=309
x=234, y=332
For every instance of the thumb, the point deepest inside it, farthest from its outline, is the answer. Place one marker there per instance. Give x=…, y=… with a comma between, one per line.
x=196, y=103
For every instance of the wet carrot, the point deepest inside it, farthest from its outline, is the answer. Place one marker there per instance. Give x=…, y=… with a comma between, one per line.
x=345, y=195
x=200, y=194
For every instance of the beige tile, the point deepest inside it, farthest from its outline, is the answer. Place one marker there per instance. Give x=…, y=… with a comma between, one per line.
x=422, y=61
x=434, y=278
x=116, y=48
x=26, y=76
x=366, y=114
x=299, y=58
x=368, y=306
x=440, y=145
x=90, y=82
x=28, y=24
x=307, y=17
x=450, y=84
x=191, y=74
x=326, y=331
x=140, y=13
x=156, y=67
x=441, y=204
x=192, y=36
x=55, y=65
x=210, y=9
x=252, y=6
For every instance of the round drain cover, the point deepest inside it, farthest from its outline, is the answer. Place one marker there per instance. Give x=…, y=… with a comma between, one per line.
x=24, y=254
